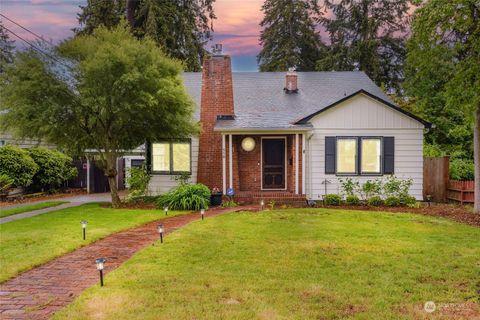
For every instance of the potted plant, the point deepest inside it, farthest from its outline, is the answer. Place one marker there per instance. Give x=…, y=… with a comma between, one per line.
x=216, y=197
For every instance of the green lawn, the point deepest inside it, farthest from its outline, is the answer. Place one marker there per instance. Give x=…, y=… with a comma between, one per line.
x=293, y=264
x=29, y=207
x=32, y=241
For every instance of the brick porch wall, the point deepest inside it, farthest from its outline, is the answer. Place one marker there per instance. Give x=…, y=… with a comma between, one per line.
x=247, y=165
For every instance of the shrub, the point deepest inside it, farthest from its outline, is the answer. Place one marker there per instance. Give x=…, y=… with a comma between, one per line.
x=138, y=179
x=462, y=169
x=229, y=204
x=349, y=187
x=392, y=201
x=5, y=183
x=371, y=188
x=352, y=200
x=408, y=200
x=186, y=197
x=375, y=201
x=17, y=164
x=332, y=199
x=55, y=168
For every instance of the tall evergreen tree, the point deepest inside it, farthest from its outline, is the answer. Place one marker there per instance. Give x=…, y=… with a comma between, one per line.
x=367, y=35
x=289, y=38
x=6, y=48
x=181, y=28
x=100, y=12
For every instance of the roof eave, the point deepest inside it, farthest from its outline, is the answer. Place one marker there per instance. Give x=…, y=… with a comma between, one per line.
x=301, y=129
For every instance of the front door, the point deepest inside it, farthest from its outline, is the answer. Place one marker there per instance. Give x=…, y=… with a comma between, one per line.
x=273, y=155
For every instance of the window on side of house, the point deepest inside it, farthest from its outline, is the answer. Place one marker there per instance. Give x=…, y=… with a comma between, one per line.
x=171, y=157
x=371, y=149
x=346, y=156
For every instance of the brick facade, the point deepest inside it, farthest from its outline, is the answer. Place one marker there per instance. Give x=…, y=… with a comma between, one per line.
x=217, y=99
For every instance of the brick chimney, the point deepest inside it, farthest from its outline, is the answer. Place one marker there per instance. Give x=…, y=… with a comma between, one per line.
x=217, y=100
x=291, y=85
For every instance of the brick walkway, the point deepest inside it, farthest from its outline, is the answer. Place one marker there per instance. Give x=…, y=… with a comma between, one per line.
x=40, y=292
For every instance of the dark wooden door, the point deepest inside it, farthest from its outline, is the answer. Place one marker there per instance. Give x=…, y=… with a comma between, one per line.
x=273, y=155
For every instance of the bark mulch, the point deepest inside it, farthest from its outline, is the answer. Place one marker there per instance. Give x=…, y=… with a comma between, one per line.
x=40, y=292
x=458, y=213
x=43, y=197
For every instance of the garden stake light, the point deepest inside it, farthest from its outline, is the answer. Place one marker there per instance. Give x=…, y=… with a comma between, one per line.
x=100, y=265
x=160, y=231
x=202, y=212
x=262, y=203
x=429, y=200
x=84, y=227
x=166, y=210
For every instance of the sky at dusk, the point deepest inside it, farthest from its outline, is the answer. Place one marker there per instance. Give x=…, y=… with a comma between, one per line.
x=236, y=27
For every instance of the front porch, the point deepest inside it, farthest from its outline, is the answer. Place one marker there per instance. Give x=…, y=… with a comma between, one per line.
x=268, y=166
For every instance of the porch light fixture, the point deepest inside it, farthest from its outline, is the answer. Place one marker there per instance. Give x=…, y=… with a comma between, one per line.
x=262, y=204
x=166, y=210
x=100, y=262
x=84, y=227
x=248, y=144
x=202, y=212
x=160, y=231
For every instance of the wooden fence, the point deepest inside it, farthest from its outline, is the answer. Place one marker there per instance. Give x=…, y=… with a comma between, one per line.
x=462, y=191
x=435, y=178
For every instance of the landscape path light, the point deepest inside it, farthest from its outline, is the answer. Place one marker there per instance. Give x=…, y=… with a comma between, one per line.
x=166, y=210
x=160, y=231
x=262, y=203
x=100, y=262
x=429, y=199
x=84, y=227
x=202, y=212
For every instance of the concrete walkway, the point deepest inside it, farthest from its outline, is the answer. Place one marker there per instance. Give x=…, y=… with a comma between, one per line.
x=40, y=292
x=73, y=201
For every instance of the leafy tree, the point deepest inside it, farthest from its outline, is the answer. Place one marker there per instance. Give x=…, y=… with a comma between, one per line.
x=367, y=35
x=444, y=69
x=181, y=28
x=289, y=38
x=6, y=48
x=121, y=92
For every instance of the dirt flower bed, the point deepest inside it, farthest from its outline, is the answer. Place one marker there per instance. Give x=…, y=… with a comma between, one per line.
x=462, y=214
x=43, y=196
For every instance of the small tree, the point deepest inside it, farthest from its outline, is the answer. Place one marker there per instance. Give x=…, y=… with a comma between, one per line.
x=118, y=93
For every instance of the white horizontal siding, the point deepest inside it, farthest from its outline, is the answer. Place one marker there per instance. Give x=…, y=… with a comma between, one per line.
x=160, y=184
x=363, y=116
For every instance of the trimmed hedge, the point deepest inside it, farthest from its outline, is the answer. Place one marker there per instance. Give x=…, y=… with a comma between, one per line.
x=392, y=201
x=375, y=201
x=332, y=199
x=17, y=164
x=352, y=200
x=55, y=168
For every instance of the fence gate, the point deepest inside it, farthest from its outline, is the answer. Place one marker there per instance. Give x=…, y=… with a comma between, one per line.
x=435, y=178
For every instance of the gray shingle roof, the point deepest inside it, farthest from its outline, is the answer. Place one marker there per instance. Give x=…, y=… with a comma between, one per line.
x=260, y=102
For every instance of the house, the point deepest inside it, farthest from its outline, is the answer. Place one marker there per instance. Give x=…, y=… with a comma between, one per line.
x=289, y=135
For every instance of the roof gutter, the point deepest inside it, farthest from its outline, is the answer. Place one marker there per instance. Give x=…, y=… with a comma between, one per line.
x=262, y=130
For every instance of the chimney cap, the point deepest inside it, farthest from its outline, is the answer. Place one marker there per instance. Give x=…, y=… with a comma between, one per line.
x=217, y=49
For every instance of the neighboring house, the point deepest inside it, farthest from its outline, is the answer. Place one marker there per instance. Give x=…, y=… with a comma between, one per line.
x=293, y=134
x=7, y=138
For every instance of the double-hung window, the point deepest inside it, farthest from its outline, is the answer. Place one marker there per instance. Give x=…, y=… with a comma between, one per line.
x=171, y=157
x=365, y=155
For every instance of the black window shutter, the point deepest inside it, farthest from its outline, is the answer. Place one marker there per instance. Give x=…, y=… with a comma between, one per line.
x=388, y=155
x=330, y=150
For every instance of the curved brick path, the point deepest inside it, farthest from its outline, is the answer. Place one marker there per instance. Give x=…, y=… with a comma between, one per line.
x=38, y=293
